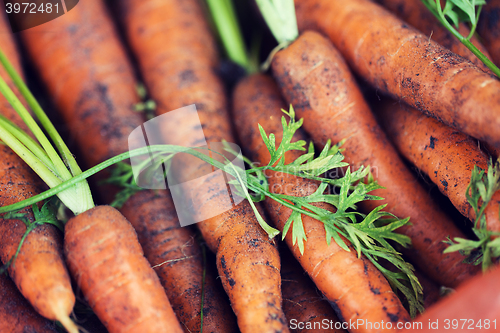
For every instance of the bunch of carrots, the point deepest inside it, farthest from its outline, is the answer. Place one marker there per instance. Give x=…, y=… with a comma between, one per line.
x=348, y=114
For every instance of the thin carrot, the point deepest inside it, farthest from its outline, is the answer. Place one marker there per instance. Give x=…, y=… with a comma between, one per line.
x=177, y=259
x=357, y=288
x=445, y=155
x=108, y=264
x=416, y=13
x=304, y=306
x=314, y=77
x=481, y=296
x=39, y=270
x=399, y=60
x=101, y=107
x=489, y=28
x=172, y=39
x=16, y=314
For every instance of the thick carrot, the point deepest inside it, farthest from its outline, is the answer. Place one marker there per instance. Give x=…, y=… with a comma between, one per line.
x=100, y=107
x=416, y=13
x=304, y=306
x=445, y=155
x=107, y=262
x=356, y=287
x=177, y=259
x=172, y=39
x=315, y=79
x=399, y=60
x=39, y=270
x=477, y=302
x=16, y=314
x=489, y=28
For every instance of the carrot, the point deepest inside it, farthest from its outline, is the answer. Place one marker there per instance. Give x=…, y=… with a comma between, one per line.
x=171, y=39
x=481, y=296
x=357, y=288
x=108, y=264
x=39, y=270
x=101, y=247
x=489, y=28
x=416, y=13
x=101, y=109
x=313, y=76
x=16, y=314
x=445, y=155
x=399, y=60
x=177, y=259
x=304, y=306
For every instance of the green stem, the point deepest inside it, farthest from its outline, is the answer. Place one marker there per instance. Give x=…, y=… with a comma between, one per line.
x=280, y=17
x=474, y=26
x=27, y=141
x=78, y=199
x=224, y=16
x=466, y=41
x=40, y=114
x=33, y=126
x=27, y=156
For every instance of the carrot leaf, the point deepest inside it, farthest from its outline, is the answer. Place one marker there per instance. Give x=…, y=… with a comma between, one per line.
x=486, y=250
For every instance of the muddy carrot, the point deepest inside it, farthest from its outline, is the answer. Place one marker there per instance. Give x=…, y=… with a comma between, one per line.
x=416, y=13
x=444, y=154
x=314, y=77
x=358, y=290
x=305, y=307
x=172, y=39
x=39, y=270
x=176, y=257
x=16, y=314
x=399, y=60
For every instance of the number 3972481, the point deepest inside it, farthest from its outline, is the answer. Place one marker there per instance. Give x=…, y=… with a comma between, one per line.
x=31, y=8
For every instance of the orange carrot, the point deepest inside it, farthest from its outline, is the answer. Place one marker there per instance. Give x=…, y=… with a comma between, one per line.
x=177, y=259
x=39, y=270
x=172, y=39
x=474, y=306
x=489, y=28
x=16, y=315
x=101, y=109
x=399, y=60
x=358, y=290
x=102, y=250
x=303, y=304
x=416, y=13
x=445, y=155
x=107, y=262
x=315, y=79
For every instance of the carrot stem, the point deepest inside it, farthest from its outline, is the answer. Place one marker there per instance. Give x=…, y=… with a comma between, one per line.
x=79, y=198
x=280, y=17
x=26, y=140
x=224, y=17
x=438, y=12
